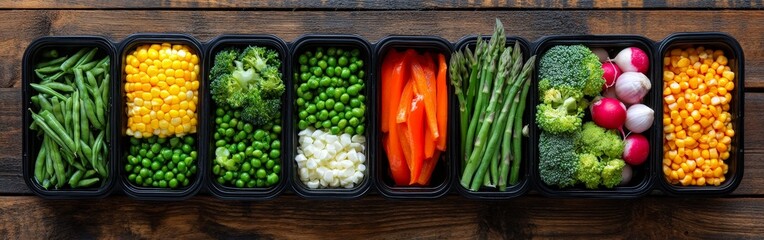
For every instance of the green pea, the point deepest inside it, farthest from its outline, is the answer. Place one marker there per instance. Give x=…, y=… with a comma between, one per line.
x=273, y=179
x=342, y=123
x=358, y=112
x=311, y=109
x=312, y=61
x=360, y=129
x=155, y=166
x=353, y=67
x=186, y=148
x=255, y=163
x=162, y=183
x=349, y=130
x=335, y=130
x=339, y=107
x=343, y=61
x=345, y=98
x=244, y=177
x=173, y=183
x=313, y=83
x=361, y=74
x=277, y=129
x=354, y=121
x=303, y=59
x=260, y=173
x=312, y=119
x=139, y=180
x=322, y=64
x=320, y=105
x=303, y=124
x=345, y=73
x=260, y=134
x=257, y=153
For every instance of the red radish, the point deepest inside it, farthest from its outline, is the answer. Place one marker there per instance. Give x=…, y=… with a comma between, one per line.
x=611, y=73
x=635, y=150
x=608, y=113
x=601, y=54
x=632, y=59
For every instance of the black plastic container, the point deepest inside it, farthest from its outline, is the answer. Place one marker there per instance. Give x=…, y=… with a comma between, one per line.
x=145, y=193
x=525, y=181
x=643, y=176
x=733, y=51
x=241, y=42
x=440, y=182
x=66, y=45
x=309, y=43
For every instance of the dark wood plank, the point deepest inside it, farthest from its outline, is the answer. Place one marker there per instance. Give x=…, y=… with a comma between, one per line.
x=376, y=218
x=10, y=146
x=452, y=25
x=383, y=5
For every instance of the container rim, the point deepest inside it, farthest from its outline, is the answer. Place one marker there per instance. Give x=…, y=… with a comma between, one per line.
x=27, y=153
x=232, y=193
x=731, y=46
x=308, y=40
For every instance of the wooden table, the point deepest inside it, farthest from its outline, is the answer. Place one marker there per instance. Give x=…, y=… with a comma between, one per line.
x=26, y=216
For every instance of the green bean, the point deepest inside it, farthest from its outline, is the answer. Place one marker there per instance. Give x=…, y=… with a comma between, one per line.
x=91, y=115
x=56, y=126
x=39, y=165
x=86, y=152
x=104, y=62
x=89, y=173
x=100, y=166
x=91, y=79
x=53, y=180
x=68, y=157
x=69, y=63
x=44, y=103
x=76, y=120
x=98, y=100
x=57, y=110
x=105, y=85
x=97, y=70
x=48, y=161
x=88, y=66
x=78, y=166
x=87, y=182
x=75, y=179
x=59, y=86
x=67, y=112
x=95, y=153
x=79, y=80
x=58, y=165
x=45, y=183
x=84, y=123
x=86, y=58
x=35, y=100
x=56, y=62
x=52, y=78
x=40, y=75
x=47, y=90
x=48, y=69
x=47, y=129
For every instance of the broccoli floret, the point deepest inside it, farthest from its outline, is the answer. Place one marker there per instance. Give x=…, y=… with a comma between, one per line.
x=611, y=172
x=224, y=63
x=572, y=66
x=259, y=58
x=589, y=170
x=261, y=111
x=559, y=116
x=599, y=141
x=233, y=88
x=557, y=160
x=271, y=84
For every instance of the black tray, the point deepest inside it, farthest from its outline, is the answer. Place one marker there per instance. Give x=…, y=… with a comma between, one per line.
x=525, y=180
x=309, y=42
x=733, y=51
x=441, y=176
x=242, y=41
x=145, y=193
x=31, y=143
x=643, y=176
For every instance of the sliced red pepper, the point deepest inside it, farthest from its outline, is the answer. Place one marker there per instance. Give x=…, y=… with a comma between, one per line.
x=416, y=128
x=428, y=166
x=441, y=95
x=424, y=77
x=390, y=94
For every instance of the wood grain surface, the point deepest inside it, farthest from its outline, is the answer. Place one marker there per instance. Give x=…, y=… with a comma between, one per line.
x=23, y=216
x=383, y=4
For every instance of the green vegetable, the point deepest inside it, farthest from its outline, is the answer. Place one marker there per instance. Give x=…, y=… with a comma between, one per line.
x=599, y=141
x=611, y=172
x=567, y=73
x=589, y=170
x=156, y=162
x=65, y=156
x=496, y=79
x=558, y=161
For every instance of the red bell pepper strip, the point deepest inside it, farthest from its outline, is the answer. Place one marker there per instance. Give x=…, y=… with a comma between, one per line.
x=388, y=92
x=441, y=95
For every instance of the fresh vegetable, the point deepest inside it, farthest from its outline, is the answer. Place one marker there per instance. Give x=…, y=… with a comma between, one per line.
x=330, y=85
x=626, y=174
x=599, y=141
x=608, y=113
x=161, y=83
x=247, y=88
x=162, y=162
x=251, y=81
x=639, y=118
x=558, y=163
x=632, y=59
x=631, y=87
x=612, y=172
x=412, y=139
x=636, y=149
x=494, y=79
x=567, y=74
x=70, y=118
x=698, y=86
x=610, y=72
x=326, y=160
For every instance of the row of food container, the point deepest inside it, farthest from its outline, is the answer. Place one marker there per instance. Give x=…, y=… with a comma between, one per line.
x=123, y=155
